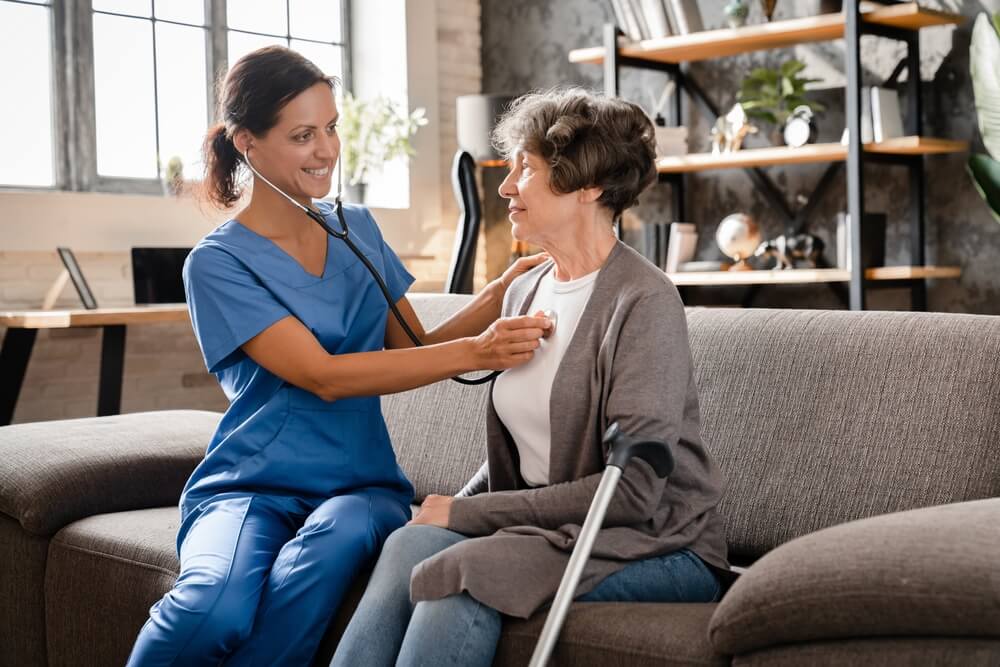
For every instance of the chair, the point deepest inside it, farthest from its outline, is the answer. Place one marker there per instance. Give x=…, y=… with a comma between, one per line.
x=463, y=258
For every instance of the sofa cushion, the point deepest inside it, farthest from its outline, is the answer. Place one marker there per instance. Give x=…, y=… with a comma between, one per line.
x=438, y=431
x=927, y=572
x=613, y=633
x=57, y=472
x=104, y=573
x=905, y=652
x=822, y=417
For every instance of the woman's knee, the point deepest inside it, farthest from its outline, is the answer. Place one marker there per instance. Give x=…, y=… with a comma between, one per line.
x=219, y=611
x=409, y=545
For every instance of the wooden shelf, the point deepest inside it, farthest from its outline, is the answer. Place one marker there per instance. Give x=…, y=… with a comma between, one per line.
x=710, y=44
x=763, y=157
x=805, y=276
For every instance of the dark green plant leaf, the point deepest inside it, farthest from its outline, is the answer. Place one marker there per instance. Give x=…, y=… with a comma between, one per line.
x=984, y=67
x=985, y=172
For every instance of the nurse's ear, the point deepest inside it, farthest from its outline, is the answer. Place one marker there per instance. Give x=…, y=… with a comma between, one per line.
x=243, y=140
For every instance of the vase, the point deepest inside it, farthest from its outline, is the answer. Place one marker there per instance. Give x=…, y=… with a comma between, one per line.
x=736, y=13
x=768, y=7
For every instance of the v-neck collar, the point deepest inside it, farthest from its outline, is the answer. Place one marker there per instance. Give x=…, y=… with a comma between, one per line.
x=284, y=254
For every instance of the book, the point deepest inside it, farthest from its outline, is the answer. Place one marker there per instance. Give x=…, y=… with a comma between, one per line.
x=684, y=16
x=656, y=18
x=631, y=24
x=887, y=121
x=681, y=245
x=640, y=19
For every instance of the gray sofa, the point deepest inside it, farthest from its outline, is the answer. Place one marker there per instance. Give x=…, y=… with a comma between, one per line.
x=863, y=456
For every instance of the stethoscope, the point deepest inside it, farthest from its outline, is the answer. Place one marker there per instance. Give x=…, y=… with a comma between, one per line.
x=344, y=235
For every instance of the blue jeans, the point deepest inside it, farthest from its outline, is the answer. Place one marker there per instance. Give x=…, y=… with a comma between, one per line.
x=387, y=629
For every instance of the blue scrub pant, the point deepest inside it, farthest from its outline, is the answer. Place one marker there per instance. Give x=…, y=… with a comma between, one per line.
x=261, y=576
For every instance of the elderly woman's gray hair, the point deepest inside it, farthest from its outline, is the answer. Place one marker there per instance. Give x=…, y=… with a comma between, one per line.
x=588, y=140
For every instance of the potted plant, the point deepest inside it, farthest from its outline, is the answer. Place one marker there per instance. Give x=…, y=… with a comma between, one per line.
x=373, y=132
x=771, y=95
x=984, y=66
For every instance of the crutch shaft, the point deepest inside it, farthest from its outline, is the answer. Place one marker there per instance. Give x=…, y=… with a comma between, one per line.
x=577, y=560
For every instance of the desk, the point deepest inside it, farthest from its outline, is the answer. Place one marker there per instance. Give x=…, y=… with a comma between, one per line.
x=22, y=329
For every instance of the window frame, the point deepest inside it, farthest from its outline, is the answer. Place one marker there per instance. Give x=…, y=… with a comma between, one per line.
x=74, y=133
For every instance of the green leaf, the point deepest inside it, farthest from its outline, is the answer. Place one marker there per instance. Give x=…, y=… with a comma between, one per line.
x=792, y=67
x=984, y=67
x=985, y=172
x=787, y=87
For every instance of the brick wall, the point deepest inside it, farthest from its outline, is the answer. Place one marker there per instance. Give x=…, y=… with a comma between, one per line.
x=163, y=366
x=460, y=73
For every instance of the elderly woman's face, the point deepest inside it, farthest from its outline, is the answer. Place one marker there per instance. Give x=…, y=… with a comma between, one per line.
x=537, y=214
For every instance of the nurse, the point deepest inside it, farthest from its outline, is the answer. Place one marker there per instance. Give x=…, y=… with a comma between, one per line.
x=299, y=486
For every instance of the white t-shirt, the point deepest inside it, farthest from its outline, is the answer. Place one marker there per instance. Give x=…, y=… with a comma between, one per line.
x=521, y=395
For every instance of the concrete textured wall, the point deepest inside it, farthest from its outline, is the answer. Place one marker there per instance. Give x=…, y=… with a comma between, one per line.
x=525, y=46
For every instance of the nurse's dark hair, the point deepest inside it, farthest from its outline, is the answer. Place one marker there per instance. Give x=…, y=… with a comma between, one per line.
x=251, y=96
x=588, y=140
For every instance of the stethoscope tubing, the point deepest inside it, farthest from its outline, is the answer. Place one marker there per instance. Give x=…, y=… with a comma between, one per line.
x=344, y=235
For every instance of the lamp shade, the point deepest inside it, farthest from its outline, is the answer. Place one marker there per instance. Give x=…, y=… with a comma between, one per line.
x=475, y=118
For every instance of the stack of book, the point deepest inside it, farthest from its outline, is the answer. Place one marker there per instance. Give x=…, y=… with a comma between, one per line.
x=881, y=117
x=650, y=19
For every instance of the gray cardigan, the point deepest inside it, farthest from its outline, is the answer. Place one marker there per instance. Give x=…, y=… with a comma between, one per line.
x=629, y=362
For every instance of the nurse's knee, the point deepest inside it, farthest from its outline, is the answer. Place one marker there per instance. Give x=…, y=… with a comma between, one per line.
x=220, y=611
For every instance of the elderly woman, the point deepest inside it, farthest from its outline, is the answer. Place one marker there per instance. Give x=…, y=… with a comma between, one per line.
x=501, y=545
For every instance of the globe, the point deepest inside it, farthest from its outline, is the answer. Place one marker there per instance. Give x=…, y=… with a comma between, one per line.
x=737, y=237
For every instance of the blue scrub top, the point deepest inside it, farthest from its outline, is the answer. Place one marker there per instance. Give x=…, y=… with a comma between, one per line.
x=276, y=438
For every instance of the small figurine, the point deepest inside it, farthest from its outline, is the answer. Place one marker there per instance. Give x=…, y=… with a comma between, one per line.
x=729, y=130
x=788, y=249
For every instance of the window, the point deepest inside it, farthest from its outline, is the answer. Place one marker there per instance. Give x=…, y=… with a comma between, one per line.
x=150, y=93
x=311, y=27
x=145, y=69
x=26, y=124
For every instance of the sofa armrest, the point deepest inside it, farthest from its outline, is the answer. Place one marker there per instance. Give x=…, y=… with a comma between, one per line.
x=931, y=571
x=53, y=473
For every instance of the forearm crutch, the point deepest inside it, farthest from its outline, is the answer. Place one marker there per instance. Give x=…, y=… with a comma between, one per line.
x=622, y=448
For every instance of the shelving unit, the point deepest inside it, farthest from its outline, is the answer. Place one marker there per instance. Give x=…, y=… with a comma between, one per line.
x=893, y=20
x=811, y=153
x=712, y=44
x=803, y=276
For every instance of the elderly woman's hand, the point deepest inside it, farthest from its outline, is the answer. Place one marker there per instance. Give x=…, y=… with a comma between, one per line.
x=434, y=511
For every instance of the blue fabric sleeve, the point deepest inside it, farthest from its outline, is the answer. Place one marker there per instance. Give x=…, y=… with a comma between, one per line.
x=229, y=305
x=397, y=278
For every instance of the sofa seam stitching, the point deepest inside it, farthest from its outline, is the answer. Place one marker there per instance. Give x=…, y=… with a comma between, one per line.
x=123, y=559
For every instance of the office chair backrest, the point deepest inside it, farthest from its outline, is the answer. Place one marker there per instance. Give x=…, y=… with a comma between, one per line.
x=463, y=258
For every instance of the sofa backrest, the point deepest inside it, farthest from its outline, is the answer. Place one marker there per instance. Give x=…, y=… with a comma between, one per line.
x=821, y=417
x=816, y=417
x=438, y=431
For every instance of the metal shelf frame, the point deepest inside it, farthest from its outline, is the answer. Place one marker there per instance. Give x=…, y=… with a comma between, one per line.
x=798, y=221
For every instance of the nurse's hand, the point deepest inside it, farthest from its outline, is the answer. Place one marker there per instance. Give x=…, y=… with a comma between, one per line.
x=509, y=342
x=434, y=511
x=522, y=265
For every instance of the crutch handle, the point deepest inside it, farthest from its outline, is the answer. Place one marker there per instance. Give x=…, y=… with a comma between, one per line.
x=623, y=447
